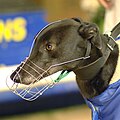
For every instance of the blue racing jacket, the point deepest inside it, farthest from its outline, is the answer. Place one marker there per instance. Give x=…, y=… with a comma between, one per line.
x=106, y=106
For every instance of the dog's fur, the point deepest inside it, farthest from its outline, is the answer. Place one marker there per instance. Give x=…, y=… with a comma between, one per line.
x=68, y=42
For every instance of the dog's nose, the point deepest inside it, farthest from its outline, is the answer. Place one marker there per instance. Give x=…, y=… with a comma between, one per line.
x=15, y=77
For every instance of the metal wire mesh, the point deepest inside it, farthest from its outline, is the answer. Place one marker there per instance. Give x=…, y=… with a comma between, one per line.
x=40, y=84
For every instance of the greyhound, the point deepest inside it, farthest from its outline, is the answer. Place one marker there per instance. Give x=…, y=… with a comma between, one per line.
x=78, y=46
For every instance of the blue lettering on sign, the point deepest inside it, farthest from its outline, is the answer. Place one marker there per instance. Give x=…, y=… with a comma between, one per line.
x=17, y=32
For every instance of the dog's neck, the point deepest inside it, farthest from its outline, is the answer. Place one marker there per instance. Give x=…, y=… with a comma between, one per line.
x=116, y=75
x=95, y=86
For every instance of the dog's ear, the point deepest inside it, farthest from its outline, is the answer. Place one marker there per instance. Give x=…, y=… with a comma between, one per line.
x=90, y=32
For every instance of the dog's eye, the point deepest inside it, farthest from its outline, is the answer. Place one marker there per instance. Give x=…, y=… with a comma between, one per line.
x=49, y=47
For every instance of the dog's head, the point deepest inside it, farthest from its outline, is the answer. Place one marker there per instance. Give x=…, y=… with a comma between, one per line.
x=57, y=43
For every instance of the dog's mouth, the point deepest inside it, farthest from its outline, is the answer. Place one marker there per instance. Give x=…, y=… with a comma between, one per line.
x=28, y=72
x=29, y=88
x=24, y=82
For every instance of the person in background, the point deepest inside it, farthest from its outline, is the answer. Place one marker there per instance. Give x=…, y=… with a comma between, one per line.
x=112, y=13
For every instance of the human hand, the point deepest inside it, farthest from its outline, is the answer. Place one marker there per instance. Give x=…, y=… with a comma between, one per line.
x=106, y=3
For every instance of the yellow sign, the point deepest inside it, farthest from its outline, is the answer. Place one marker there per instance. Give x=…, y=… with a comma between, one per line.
x=13, y=29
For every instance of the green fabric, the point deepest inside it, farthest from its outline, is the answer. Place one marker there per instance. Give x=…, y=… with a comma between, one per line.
x=62, y=75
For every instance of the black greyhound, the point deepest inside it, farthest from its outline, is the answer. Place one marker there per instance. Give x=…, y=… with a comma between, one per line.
x=92, y=56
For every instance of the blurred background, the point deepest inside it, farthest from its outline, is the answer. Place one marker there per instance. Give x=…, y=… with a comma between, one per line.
x=20, y=21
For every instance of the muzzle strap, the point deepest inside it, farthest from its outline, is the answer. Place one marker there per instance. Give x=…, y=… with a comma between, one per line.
x=89, y=71
x=115, y=31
